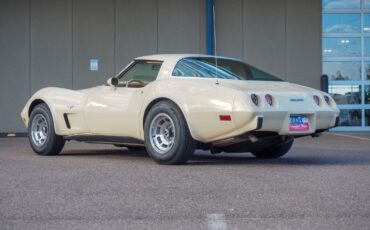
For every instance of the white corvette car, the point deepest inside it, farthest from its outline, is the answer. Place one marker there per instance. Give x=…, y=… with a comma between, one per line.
x=170, y=105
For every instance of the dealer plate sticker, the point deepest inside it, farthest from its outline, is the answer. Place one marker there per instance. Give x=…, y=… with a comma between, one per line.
x=299, y=123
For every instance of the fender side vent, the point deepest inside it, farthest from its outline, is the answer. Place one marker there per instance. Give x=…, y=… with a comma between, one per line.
x=259, y=122
x=65, y=116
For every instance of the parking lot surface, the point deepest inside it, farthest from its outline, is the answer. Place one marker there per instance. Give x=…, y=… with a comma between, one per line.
x=322, y=183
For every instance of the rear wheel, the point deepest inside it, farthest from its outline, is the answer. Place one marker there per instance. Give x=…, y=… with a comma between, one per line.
x=276, y=150
x=167, y=137
x=41, y=132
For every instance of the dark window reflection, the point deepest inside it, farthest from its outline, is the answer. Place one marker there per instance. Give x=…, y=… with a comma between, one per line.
x=341, y=47
x=341, y=23
x=367, y=70
x=342, y=70
x=341, y=4
x=350, y=117
x=367, y=117
x=367, y=94
x=346, y=94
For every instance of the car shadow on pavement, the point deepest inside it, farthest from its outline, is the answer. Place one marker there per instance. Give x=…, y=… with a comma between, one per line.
x=206, y=158
x=361, y=158
x=103, y=152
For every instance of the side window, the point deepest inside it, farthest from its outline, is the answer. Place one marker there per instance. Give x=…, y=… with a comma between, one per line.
x=143, y=72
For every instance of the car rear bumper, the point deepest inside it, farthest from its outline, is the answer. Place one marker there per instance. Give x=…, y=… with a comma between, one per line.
x=279, y=122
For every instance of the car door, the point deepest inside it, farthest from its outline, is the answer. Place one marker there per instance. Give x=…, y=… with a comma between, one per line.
x=116, y=110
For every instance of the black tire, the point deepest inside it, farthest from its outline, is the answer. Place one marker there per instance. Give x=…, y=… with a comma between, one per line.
x=275, y=151
x=53, y=143
x=183, y=145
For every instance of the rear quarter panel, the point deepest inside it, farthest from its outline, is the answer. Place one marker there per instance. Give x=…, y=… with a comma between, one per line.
x=201, y=101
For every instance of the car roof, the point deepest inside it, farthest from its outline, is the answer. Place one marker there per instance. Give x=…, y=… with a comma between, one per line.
x=176, y=57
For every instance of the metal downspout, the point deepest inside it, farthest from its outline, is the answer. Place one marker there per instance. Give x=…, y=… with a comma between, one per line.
x=210, y=28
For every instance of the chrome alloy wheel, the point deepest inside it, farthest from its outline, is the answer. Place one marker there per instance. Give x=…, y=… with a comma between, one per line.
x=39, y=130
x=162, y=133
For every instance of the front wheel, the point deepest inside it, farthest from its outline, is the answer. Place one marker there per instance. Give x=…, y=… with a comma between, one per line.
x=167, y=137
x=41, y=132
x=276, y=150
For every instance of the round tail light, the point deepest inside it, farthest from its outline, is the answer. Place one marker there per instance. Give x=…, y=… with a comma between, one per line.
x=327, y=99
x=316, y=99
x=268, y=98
x=254, y=99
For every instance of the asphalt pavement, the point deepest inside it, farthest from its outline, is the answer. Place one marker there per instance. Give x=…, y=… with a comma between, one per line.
x=322, y=183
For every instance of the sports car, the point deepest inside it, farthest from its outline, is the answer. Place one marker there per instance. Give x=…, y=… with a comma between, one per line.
x=169, y=105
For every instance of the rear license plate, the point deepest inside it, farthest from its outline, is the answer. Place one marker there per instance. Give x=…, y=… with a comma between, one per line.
x=299, y=123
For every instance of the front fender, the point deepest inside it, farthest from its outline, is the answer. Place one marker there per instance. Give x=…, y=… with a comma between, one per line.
x=59, y=101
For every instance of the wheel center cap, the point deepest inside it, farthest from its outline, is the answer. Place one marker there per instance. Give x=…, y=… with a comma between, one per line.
x=166, y=133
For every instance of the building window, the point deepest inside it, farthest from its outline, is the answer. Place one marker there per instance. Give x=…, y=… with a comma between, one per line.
x=346, y=59
x=341, y=47
x=341, y=4
x=341, y=23
x=346, y=94
x=342, y=70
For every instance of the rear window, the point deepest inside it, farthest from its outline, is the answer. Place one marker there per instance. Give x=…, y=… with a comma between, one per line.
x=225, y=69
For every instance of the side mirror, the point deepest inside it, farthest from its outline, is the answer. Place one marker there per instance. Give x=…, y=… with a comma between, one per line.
x=113, y=81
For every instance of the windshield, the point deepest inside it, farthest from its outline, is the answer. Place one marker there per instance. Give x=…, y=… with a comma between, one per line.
x=205, y=67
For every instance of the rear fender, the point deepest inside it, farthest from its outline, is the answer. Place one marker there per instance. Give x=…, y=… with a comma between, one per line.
x=201, y=106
